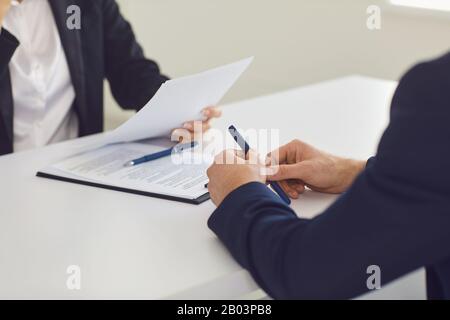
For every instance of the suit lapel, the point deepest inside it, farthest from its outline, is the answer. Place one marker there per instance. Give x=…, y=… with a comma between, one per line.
x=71, y=42
x=6, y=112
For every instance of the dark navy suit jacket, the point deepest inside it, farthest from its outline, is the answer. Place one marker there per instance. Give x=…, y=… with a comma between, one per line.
x=395, y=215
x=104, y=47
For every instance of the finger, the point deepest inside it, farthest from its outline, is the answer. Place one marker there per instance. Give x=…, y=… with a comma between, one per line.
x=180, y=135
x=236, y=157
x=206, y=126
x=220, y=158
x=212, y=112
x=278, y=156
x=288, y=189
x=297, y=185
x=288, y=154
x=240, y=154
x=228, y=157
x=253, y=157
x=299, y=171
x=197, y=126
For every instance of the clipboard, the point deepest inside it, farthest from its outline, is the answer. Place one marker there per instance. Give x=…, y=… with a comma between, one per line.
x=196, y=201
x=161, y=178
x=174, y=102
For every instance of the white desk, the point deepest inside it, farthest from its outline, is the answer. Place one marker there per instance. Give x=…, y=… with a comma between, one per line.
x=130, y=246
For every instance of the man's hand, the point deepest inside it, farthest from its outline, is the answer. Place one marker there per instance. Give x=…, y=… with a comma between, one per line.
x=230, y=171
x=196, y=127
x=298, y=164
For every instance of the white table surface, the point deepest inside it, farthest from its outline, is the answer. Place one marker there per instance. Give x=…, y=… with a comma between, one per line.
x=136, y=247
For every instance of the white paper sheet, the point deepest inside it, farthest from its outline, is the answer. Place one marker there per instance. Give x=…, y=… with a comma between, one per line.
x=178, y=101
x=166, y=176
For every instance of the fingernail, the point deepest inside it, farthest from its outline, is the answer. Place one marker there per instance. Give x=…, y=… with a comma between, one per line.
x=206, y=112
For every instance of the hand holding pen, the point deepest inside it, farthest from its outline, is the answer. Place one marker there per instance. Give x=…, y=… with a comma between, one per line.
x=246, y=148
x=231, y=170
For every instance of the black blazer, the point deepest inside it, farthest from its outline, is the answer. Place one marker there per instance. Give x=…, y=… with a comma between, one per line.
x=396, y=215
x=104, y=47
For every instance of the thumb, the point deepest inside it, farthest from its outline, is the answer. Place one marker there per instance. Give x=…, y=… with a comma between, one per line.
x=253, y=157
x=288, y=171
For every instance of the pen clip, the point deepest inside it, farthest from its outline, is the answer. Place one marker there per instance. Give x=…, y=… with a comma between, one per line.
x=184, y=146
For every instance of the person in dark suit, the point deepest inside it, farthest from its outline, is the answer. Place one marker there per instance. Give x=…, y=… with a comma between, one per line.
x=394, y=211
x=52, y=71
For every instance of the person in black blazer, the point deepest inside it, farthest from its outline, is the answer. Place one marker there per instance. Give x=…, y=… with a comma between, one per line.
x=394, y=211
x=104, y=47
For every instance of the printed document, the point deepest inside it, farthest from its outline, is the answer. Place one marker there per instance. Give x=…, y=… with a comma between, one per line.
x=171, y=175
x=177, y=101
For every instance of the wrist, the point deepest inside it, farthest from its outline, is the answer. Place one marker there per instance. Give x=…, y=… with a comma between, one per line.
x=350, y=169
x=232, y=181
x=241, y=180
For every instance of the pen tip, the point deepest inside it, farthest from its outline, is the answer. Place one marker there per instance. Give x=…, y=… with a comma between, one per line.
x=129, y=164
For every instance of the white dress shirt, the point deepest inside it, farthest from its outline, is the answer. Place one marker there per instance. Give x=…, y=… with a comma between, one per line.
x=42, y=89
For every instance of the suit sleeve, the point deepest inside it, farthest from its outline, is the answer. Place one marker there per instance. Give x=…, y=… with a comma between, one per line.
x=395, y=215
x=8, y=45
x=133, y=78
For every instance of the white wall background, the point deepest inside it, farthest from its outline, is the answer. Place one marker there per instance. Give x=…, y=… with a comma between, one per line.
x=295, y=42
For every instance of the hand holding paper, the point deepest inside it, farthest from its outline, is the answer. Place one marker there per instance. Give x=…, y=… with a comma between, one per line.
x=178, y=101
x=194, y=127
x=175, y=102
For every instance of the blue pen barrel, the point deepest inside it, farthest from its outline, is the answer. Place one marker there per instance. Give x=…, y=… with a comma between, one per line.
x=161, y=154
x=277, y=188
x=153, y=156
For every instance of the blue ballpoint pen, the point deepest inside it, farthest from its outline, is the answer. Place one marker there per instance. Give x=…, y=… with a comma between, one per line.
x=154, y=156
x=245, y=147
